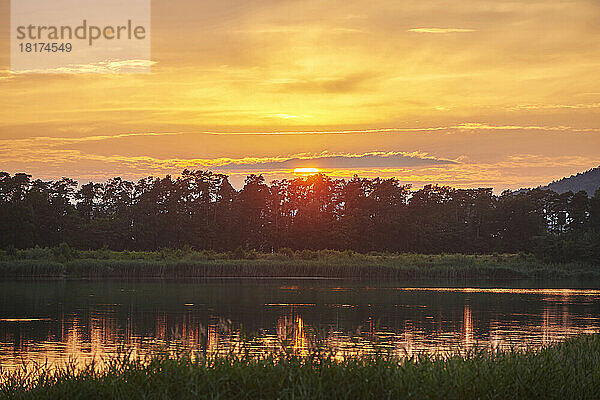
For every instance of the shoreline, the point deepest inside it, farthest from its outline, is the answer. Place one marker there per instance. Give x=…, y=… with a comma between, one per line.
x=324, y=264
x=561, y=370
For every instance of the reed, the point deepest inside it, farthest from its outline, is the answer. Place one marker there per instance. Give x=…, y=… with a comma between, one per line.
x=568, y=370
x=168, y=263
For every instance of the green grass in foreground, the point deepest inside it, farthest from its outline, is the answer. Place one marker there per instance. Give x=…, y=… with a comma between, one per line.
x=65, y=262
x=569, y=370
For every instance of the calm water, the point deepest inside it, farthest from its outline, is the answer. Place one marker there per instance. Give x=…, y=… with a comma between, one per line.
x=79, y=320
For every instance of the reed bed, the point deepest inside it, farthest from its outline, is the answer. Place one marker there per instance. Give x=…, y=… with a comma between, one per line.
x=167, y=263
x=567, y=370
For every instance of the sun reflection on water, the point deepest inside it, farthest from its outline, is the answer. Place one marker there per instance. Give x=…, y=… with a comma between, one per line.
x=297, y=330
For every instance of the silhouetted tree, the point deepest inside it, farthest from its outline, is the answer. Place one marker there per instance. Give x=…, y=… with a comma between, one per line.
x=201, y=209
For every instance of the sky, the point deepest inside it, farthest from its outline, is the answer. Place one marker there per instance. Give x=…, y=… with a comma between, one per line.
x=477, y=93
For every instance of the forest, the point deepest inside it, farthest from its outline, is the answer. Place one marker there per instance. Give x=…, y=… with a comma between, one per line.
x=202, y=210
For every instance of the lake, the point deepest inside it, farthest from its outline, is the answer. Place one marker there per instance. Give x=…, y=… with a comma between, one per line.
x=62, y=320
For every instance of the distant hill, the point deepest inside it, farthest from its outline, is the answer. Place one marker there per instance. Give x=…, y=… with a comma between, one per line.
x=588, y=181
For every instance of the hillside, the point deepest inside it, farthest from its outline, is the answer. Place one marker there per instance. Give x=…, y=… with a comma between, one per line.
x=588, y=181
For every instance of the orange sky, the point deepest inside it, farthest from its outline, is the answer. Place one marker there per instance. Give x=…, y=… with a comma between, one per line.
x=501, y=94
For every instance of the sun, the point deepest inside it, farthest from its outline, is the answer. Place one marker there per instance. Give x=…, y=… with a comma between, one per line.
x=306, y=171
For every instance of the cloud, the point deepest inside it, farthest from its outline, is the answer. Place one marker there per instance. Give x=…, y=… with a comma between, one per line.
x=339, y=161
x=134, y=155
x=579, y=106
x=441, y=30
x=5, y=74
x=344, y=84
x=46, y=141
x=54, y=154
x=51, y=150
x=104, y=67
x=482, y=126
x=466, y=126
x=49, y=159
x=283, y=116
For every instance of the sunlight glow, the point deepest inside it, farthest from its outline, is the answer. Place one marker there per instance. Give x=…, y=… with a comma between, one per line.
x=306, y=171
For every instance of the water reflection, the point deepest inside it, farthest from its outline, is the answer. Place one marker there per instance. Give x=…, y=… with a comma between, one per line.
x=467, y=327
x=81, y=321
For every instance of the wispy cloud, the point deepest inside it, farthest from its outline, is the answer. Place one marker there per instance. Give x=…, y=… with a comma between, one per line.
x=466, y=126
x=579, y=106
x=473, y=126
x=441, y=30
x=339, y=161
x=324, y=84
x=58, y=141
x=5, y=74
x=52, y=152
x=49, y=160
x=105, y=67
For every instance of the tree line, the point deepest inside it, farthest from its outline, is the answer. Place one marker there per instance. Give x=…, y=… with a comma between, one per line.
x=202, y=210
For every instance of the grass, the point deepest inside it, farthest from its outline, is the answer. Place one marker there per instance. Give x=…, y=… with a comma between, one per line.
x=167, y=263
x=568, y=370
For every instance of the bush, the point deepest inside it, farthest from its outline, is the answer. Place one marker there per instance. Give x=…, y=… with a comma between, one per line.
x=251, y=255
x=36, y=253
x=11, y=251
x=286, y=252
x=63, y=253
x=238, y=253
x=307, y=254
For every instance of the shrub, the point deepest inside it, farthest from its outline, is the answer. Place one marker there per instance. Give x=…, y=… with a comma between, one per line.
x=63, y=253
x=238, y=253
x=286, y=252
